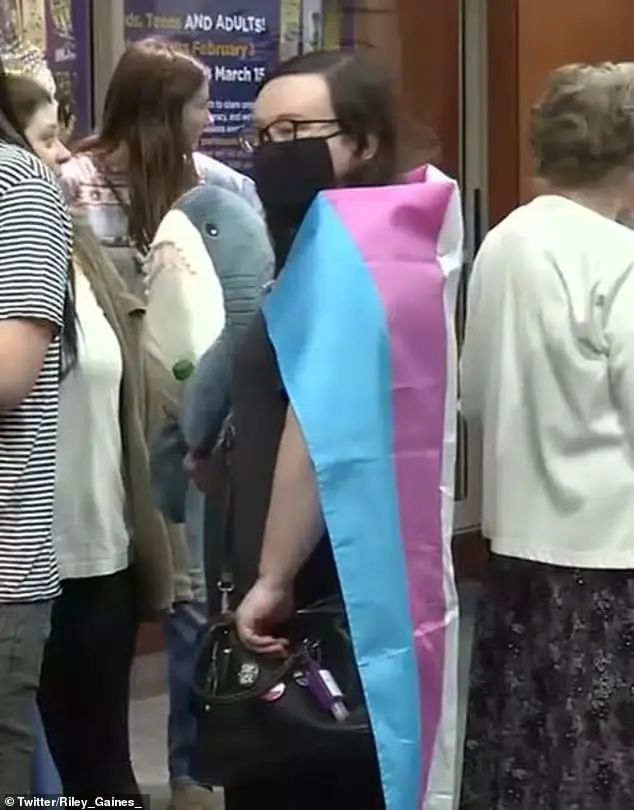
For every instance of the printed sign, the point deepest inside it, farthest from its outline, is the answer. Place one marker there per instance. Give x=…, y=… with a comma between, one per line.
x=61, y=29
x=236, y=44
x=239, y=42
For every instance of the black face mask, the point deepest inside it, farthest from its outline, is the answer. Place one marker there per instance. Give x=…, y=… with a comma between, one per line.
x=288, y=176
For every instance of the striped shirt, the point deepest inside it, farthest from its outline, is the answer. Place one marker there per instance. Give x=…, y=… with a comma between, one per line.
x=35, y=243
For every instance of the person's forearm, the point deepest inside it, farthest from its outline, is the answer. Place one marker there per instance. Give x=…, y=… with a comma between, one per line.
x=294, y=524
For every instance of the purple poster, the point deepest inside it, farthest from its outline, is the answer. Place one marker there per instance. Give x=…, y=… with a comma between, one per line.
x=9, y=20
x=237, y=41
x=68, y=51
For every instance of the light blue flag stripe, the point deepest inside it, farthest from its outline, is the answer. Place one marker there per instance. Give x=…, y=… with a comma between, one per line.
x=328, y=328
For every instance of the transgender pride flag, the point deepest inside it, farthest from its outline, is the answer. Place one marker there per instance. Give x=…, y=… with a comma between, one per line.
x=361, y=319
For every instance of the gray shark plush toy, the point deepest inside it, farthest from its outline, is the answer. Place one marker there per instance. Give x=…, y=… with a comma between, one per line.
x=214, y=225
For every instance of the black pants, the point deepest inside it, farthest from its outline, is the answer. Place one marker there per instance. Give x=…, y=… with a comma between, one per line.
x=85, y=685
x=350, y=788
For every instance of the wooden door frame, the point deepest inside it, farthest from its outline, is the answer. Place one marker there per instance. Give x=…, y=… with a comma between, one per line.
x=471, y=549
x=503, y=108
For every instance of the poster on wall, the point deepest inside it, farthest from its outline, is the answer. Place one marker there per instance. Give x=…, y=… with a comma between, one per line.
x=68, y=51
x=239, y=42
x=23, y=20
x=61, y=29
x=9, y=20
x=312, y=25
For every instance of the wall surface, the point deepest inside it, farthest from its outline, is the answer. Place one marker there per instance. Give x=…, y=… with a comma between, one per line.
x=429, y=32
x=528, y=39
x=555, y=33
x=419, y=41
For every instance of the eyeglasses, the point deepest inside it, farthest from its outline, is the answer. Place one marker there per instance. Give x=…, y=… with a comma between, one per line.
x=282, y=132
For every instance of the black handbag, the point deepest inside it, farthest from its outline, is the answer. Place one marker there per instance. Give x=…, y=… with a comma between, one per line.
x=260, y=713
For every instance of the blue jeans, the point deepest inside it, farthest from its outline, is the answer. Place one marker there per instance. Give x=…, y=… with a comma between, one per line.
x=45, y=780
x=181, y=628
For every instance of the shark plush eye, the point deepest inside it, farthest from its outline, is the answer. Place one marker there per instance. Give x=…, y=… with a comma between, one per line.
x=211, y=230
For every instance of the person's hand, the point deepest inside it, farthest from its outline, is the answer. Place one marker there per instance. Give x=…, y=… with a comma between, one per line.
x=200, y=470
x=266, y=605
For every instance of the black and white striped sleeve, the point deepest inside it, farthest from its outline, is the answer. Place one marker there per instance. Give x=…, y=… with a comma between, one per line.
x=34, y=251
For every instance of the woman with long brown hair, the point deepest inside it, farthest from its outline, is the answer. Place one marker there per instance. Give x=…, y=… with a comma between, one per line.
x=125, y=179
x=128, y=175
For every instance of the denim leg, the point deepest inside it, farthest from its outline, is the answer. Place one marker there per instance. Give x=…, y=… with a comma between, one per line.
x=195, y=529
x=181, y=628
x=46, y=781
x=24, y=628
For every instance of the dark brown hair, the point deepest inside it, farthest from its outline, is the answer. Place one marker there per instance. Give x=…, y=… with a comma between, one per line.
x=66, y=117
x=26, y=96
x=366, y=106
x=10, y=129
x=582, y=128
x=143, y=111
x=20, y=98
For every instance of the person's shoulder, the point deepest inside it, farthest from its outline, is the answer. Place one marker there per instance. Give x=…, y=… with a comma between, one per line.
x=81, y=167
x=213, y=169
x=82, y=181
x=615, y=259
x=525, y=231
x=497, y=239
x=214, y=172
x=572, y=230
x=18, y=165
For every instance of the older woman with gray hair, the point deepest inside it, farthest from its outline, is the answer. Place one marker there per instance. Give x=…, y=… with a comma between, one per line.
x=548, y=376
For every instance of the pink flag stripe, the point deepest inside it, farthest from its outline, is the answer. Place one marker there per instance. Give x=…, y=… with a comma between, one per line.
x=419, y=401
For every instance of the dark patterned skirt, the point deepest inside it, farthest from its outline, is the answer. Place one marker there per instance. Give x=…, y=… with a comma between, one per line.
x=551, y=705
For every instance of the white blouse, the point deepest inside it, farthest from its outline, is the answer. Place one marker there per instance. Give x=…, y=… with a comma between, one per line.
x=548, y=373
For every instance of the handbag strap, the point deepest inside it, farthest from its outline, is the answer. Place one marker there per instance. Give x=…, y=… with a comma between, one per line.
x=225, y=582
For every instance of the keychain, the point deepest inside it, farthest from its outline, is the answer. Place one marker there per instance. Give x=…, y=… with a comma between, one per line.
x=323, y=687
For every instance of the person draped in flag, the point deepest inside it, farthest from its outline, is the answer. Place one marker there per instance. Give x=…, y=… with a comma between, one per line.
x=343, y=407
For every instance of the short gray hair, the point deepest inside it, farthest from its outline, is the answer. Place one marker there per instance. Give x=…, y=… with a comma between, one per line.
x=582, y=128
